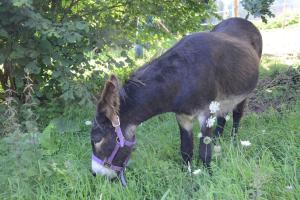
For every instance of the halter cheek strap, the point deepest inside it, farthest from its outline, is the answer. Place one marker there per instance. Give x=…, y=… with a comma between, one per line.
x=120, y=143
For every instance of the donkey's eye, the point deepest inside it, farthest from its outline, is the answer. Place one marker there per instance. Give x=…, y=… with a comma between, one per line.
x=96, y=137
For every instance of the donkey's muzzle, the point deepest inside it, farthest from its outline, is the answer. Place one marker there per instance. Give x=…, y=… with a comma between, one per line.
x=93, y=173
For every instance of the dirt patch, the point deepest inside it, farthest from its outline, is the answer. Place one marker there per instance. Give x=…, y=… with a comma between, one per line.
x=276, y=91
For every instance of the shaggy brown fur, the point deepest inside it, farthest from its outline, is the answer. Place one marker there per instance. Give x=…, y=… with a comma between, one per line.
x=110, y=101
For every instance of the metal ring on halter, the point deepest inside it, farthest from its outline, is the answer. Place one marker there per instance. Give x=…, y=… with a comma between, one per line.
x=118, y=122
x=118, y=140
x=106, y=164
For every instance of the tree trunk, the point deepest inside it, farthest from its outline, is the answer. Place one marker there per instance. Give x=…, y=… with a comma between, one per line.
x=235, y=8
x=7, y=79
x=4, y=76
x=3, y=80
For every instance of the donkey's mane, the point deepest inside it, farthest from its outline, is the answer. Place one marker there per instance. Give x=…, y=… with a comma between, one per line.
x=132, y=81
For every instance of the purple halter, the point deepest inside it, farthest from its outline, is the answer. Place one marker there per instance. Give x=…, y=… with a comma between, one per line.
x=121, y=142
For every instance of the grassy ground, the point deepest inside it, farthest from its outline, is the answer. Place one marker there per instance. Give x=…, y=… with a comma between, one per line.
x=279, y=21
x=55, y=164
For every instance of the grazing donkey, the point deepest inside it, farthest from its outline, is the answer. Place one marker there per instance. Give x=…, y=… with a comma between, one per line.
x=221, y=65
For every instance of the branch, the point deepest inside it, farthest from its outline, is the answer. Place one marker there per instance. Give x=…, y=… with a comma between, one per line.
x=105, y=9
x=73, y=3
x=54, y=9
x=111, y=7
x=163, y=26
x=2, y=80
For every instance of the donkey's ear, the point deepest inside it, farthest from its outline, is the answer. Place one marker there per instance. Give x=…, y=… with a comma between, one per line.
x=114, y=80
x=110, y=99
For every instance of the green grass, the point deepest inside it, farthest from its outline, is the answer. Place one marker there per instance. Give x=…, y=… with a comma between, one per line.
x=267, y=167
x=55, y=164
x=281, y=21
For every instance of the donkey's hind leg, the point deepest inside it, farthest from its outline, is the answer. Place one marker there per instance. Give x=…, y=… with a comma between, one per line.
x=185, y=123
x=237, y=115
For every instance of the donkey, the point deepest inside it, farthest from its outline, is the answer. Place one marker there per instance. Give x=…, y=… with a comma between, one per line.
x=221, y=65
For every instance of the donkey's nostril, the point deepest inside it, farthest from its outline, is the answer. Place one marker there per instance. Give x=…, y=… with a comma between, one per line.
x=93, y=173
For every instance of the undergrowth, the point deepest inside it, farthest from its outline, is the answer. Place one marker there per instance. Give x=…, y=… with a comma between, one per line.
x=56, y=163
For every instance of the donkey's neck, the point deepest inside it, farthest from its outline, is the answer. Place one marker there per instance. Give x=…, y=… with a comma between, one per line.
x=137, y=105
x=139, y=102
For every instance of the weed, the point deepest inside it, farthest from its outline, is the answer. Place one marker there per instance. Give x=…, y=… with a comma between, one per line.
x=10, y=123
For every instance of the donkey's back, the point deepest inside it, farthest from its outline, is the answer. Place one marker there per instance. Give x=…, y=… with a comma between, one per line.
x=243, y=30
x=203, y=67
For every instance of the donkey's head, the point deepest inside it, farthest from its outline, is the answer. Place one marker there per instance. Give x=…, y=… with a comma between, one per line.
x=111, y=150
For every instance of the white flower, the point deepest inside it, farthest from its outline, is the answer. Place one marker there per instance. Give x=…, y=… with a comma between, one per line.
x=214, y=106
x=268, y=90
x=196, y=172
x=289, y=188
x=245, y=143
x=189, y=167
x=217, y=149
x=88, y=123
x=200, y=135
x=210, y=121
x=227, y=118
x=207, y=140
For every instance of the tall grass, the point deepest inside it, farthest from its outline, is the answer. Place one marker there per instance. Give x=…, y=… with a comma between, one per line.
x=268, y=169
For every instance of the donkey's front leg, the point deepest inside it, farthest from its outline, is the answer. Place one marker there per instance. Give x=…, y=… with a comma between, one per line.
x=221, y=121
x=185, y=123
x=205, y=149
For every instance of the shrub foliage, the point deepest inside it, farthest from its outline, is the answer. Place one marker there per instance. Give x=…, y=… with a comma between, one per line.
x=55, y=41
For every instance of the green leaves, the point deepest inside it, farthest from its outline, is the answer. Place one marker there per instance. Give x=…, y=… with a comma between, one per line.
x=2, y=59
x=81, y=26
x=20, y=3
x=73, y=37
x=17, y=53
x=3, y=33
x=46, y=60
x=32, y=68
x=55, y=41
x=47, y=140
x=45, y=45
x=258, y=8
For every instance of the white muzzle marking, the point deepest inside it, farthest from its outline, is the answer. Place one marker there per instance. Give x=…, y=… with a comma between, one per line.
x=100, y=169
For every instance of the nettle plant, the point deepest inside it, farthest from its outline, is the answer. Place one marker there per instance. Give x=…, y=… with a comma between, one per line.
x=9, y=119
x=27, y=109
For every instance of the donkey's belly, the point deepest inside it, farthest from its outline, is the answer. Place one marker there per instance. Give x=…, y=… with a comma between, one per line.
x=228, y=104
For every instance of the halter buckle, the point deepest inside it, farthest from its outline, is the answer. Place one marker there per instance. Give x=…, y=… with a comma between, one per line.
x=118, y=140
x=117, y=122
x=106, y=164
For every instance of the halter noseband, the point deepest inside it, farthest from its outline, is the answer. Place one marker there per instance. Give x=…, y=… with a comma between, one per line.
x=120, y=143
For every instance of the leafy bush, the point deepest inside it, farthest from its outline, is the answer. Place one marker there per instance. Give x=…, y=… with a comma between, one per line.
x=55, y=41
x=258, y=8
